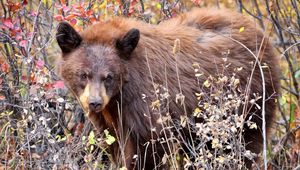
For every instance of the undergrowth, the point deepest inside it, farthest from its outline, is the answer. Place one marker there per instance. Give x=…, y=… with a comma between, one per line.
x=43, y=127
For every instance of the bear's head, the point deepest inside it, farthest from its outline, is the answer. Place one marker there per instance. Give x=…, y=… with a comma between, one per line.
x=94, y=72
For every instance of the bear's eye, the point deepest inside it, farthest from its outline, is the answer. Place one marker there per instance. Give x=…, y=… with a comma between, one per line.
x=83, y=76
x=109, y=78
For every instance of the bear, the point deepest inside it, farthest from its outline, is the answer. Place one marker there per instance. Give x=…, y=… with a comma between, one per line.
x=114, y=68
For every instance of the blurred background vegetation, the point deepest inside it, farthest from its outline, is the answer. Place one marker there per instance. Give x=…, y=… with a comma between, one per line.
x=42, y=126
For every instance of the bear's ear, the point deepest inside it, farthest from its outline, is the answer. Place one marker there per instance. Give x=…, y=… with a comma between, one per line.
x=67, y=37
x=127, y=44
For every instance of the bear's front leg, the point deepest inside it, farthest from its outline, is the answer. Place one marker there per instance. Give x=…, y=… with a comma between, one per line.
x=130, y=151
x=123, y=153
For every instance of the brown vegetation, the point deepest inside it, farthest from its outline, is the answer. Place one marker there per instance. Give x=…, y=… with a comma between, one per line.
x=41, y=125
x=204, y=35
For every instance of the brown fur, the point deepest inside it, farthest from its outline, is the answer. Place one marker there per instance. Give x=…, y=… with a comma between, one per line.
x=204, y=34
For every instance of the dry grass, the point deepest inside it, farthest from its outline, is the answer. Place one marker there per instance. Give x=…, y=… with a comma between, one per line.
x=42, y=126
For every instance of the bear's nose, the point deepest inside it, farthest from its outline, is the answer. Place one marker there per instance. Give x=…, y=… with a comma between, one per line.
x=95, y=105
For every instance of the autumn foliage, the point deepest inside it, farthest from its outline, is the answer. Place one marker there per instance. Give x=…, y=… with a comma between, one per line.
x=41, y=125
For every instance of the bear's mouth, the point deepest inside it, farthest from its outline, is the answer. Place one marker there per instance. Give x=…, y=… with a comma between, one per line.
x=102, y=117
x=96, y=111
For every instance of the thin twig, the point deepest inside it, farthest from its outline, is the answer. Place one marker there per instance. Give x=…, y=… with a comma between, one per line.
x=263, y=109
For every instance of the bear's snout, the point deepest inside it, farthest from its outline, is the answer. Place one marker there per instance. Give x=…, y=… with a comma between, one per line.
x=95, y=104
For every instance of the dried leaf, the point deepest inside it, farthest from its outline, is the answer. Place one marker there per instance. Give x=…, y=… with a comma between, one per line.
x=242, y=29
x=109, y=139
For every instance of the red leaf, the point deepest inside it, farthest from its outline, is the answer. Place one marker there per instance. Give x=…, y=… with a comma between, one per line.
x=58, y=6
x=66, y=8
x=76, y=6
x=33, y=13
x=18, y=37
x=7, y=22
x=48, y=86
x=76, y=14
x=2, y=98
x=25, y=2
x=69, y=17
x=73, y=21
x=131, y=7
x=5, y=68
x=24, y=78
x=23, y=43
x=40, y=64
x=14, y=6
x=93, y=20
x=59, y=85
x=196, y=2
x=131, y=10
x=89, y=12
x=29, y=34
x=58, y=17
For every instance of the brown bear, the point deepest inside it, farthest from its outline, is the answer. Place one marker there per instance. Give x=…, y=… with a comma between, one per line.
x=115, y=67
